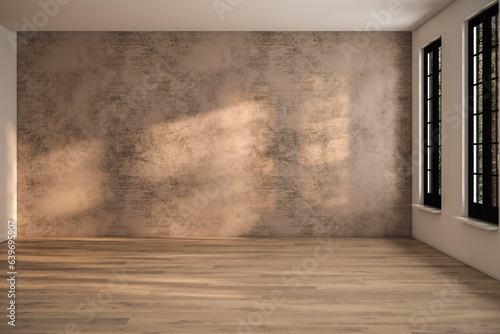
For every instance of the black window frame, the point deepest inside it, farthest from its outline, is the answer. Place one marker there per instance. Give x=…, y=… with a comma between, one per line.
x=432, y=100
x=483, y=173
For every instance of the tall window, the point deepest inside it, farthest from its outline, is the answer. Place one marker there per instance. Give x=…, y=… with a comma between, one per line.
x=432, y=124
x=483, y=115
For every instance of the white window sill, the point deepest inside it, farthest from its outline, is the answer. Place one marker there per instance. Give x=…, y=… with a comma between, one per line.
x=426, y=208
x=477, y=223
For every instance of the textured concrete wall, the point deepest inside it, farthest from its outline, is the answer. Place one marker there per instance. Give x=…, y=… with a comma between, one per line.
x=214, y=134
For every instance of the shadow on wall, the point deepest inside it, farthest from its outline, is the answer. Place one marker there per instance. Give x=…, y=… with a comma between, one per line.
x=211, y=134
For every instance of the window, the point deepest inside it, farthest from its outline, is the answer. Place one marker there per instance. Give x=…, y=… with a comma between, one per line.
x=432, y=124
x=483, y=115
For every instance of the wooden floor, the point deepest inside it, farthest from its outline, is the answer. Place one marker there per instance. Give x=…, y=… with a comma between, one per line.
x=246, y=286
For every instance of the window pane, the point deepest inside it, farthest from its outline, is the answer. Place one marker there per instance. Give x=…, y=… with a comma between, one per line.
x=429, y=182
x=475, y=78
x=439, y=134
x=440, y=108
x=474, y=43
x=477, y=128
x=479, y=189
x=494, y=191
x=430, y=92
x=480, y=128
x=475, y=100
x=478, y=99
x=480, y=67
x=439, y=183
x=429, y=158
x=429, y=134
x=494, y=95
x=494, y=159
x=474, y=189
x=429, y=111
x=439, y=58
x=474, y=130
x=494, y=63
x=480, y=38
x=429, y=62
x=480, y=159
x=439, y=157
x=440, y=80
x=494, y=123
x=479, y=89
x=474, y=163
x=494, y=30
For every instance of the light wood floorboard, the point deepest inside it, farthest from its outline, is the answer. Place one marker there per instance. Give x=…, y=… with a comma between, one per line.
x=245, y=285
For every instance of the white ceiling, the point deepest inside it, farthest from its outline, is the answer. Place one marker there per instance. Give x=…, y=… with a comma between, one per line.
x=201, y=15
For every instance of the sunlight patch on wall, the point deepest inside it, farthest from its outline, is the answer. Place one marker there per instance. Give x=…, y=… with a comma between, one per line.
x=328, y=143
x=75, y=185
x=211, y=157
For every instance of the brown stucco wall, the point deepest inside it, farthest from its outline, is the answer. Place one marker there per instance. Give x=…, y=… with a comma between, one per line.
x=188, y=134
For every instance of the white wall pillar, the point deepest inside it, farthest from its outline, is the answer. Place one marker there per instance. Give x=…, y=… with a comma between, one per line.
x=8, y=129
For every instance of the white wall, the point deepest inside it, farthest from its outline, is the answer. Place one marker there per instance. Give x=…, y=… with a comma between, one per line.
x=478, y=248
x=8, y=124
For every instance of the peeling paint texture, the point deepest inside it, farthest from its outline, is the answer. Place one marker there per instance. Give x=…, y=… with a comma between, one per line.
x=214, y=134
